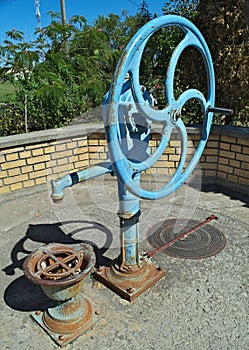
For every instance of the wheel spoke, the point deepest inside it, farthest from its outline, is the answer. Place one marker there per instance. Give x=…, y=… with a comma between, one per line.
x=191, y=94
x=169, y=81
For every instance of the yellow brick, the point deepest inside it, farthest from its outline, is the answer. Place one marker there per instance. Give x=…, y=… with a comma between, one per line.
x=2, y=158
x=232, y=178
x=25, y=154
x=175, y=143
x=11, y=156
x=39, y=166
x=245, y=165
x=27, y=169
x=245, y=150
x=39, y=159
x=4, y=189
x=80, y=150
x=62, y=154
x=49, y=149
x=38, y=145
x=12, y=150
x=99, y=149
x=3, y=174
x=93, y=142
x=71, y=145
x=242, y=157
x=169, y=150
x=14, y=164
x=152, y=143
x=165, y=171
x=103, y=142
x=244, y=142
x=212, y=159
x=244, y=181
x=222, y=175
x=94, y=156
x=41, y=180
x=50, y=164
x=243, y=173
x=225, y=168
x=227, y=154
x=62, y=168
x=174, y=158
x=37, y=152
x=236, y=148
x=225, y=146
x=37, y=174
x=15, y=179
x=62, y=161
x=14, y=172
x=83, y=156
x=29, y=183
x=212, y=144
x=82, y=143
x=103, y=156
x=61, y=147
x=224, y=161
x=209, y=166
x=234, y=163
x=164, y=164
x=213, y=137
x=211, y=151
x=16, y=186
x=228, y=139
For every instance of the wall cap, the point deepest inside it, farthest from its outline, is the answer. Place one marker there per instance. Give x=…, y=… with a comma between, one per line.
x=82, y=130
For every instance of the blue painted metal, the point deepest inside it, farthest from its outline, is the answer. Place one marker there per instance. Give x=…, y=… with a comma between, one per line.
x=125, y=167
x=128, y=113
x=68, y=180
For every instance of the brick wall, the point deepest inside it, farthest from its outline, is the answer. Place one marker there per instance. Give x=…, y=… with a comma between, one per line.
x=32, y=159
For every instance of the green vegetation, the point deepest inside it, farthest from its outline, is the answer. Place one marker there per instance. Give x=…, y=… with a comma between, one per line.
x=66, y=71
x=7, y=92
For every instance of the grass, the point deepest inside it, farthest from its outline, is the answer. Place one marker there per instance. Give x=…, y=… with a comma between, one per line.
x=7, y=92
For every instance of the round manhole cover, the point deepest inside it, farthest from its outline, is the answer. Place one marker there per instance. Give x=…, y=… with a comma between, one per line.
x=202, y=243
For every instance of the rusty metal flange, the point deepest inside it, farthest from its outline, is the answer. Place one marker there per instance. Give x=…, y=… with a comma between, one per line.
x=131, y=282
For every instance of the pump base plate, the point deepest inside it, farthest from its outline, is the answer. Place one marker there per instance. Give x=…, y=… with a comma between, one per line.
x=129, y=284
x=63, y=338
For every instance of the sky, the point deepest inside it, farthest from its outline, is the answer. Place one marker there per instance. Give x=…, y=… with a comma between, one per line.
x=20, y=14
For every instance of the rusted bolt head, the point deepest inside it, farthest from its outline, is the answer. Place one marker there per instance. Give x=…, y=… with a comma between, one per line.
x=61, y=337
x=97, y=312
x=159, y=268
x=99, y=269
x=130, y=290
x=38, y=312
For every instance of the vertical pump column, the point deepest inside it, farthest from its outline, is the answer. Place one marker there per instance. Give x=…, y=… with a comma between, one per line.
x=129, y=213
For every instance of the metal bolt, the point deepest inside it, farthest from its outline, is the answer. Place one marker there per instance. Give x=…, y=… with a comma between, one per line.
x=130, y=290
x=61, y=337
x=159, y=268
x=38, y=312
x=97, y=312
x=99, y=269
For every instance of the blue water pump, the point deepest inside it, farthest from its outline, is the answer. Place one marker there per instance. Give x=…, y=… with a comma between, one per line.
x=128, y=113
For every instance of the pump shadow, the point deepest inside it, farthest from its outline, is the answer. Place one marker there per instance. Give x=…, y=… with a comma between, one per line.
x=23, y=295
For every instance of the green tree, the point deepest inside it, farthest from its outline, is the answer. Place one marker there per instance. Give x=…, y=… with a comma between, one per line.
x=225, y=27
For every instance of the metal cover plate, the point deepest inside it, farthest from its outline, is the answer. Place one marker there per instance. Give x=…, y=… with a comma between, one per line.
x=206, y=241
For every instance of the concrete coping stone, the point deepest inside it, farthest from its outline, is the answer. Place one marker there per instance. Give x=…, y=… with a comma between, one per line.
x=84, y=130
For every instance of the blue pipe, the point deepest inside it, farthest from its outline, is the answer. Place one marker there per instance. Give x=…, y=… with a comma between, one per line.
x=69, y=180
